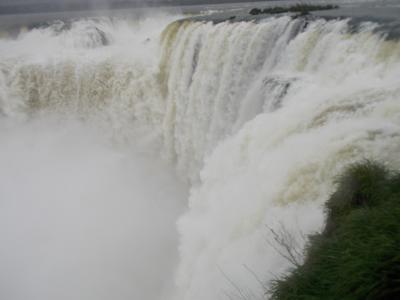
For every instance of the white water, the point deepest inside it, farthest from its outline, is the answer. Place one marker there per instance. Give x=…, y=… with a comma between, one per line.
x=259, y=118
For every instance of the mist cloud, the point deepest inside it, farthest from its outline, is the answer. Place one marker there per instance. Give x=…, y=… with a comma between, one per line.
x=80, y=220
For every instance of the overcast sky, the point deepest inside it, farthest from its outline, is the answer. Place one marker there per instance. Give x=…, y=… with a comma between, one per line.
x=16, y=2
x=27, y=6
x=51, y=1
x=100, y=1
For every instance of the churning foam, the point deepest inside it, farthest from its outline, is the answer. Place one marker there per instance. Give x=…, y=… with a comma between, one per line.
x=258, y=117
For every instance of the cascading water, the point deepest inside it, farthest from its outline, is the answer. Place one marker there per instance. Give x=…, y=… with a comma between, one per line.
x=259, y=117
x=293, y=102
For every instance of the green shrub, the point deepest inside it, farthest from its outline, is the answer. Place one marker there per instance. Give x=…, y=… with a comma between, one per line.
x=357, y=256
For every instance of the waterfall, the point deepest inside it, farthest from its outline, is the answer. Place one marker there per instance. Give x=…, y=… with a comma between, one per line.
x=259, y=117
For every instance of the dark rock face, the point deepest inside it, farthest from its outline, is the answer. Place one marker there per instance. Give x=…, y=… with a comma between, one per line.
x=255, y=11
x=303, y=9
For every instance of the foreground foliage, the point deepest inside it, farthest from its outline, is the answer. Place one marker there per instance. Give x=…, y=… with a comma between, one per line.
x=358, y=254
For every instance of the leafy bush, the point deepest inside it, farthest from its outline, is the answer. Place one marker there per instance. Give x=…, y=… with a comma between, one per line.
x=357, y=256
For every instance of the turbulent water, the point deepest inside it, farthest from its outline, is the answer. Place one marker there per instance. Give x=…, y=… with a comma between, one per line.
x=257, y=118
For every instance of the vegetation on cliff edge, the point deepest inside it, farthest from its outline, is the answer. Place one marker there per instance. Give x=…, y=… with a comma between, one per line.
x=357, y=256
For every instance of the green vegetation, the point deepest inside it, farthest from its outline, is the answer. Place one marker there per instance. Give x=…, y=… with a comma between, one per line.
x=358, y=254
x=298, y=8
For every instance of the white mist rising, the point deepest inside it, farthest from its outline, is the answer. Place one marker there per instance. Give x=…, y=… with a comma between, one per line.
x=81, y=219
x=83, y=215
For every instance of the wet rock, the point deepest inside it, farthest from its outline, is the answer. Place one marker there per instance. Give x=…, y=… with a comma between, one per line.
x=255, y=11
